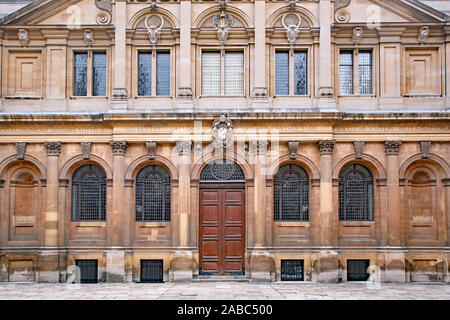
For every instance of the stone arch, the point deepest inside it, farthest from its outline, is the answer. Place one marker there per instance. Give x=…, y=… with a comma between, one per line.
x=237, y=158
x=138, y=164
x=12, y=160
x=301, y=161
x=373, y=164
x=305, y=13
x=137, y=17
x=433, y=159
x=202, y=17
x=74, y=163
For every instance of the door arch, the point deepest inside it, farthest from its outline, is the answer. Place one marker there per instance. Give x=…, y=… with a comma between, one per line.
x=222, y=219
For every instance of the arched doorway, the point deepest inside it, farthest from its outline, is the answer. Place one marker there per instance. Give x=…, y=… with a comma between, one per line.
x=222, y=219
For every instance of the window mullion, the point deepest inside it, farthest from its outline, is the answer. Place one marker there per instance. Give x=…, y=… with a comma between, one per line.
x=356, y=72
x=154, y=54
x=291, y=73
x=222, y=73
x=90, y=74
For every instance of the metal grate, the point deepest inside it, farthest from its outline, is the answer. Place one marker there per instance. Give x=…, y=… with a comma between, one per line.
x=99, y=74
x=356, y=194
x=357, y=270
x=89, y=194
x=153, y=194
x=211, y=74
x=145, y=74
x=222, y=170
x=291, y=194
x=346, y=72
x=89, y=270
x=301, y=73
x=80, y=74
x=365, y=72
x=152, y=271
x=292, y=270
x=234, y=73
x=282, y=73
x=163, y=74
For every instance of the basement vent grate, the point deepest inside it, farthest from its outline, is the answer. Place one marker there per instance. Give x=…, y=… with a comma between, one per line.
x=152, y=271
x=292, y=270
x=357, y=270
x=89, y=270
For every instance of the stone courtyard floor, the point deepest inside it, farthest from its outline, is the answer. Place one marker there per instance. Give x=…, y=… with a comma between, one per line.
x=224, y=291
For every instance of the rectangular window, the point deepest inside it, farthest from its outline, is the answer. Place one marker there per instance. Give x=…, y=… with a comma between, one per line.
x=356, y=80
x=163, y=74
x=211, y=74
x=80, y=74
x=292, y=270
x=365, y=72
x=99, y=74
x=154, y=74
x=291, y=69
x=234, y=73
x=145, y=74
x=346, y=72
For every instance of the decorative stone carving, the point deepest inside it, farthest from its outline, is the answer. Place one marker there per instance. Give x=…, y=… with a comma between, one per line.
x=259, y=147
x=392, y=147
x=341, y=15
x=222, y=131
x=198, y=149
x=151, y=148
x=222, y=22
x=24, y=37
x=184, y=147
x=103, y=18
x=21, y=148
x=260, y=92
x=88, y=37
x=357, y=34
x=154, y=24
x=223, y=4
x=359, y=148
x=424, y=33
x=293, y=148
x=326, y=146
x=292, y=5
x=53, y=148
x=105, y=5
x=153, y=6
x=119, y=94
x=184, y=93
x=291, y=23
x=119, y=148
x=425, y=149
x=86, y=149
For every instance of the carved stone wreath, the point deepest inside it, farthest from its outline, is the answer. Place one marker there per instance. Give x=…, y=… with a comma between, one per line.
x=222, y=131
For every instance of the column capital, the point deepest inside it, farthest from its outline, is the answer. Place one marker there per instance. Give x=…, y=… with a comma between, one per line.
x=259, y=147
x=53, y=148
x=392, y=147
x=184, y=147
x=326, y=146
x=119, y=148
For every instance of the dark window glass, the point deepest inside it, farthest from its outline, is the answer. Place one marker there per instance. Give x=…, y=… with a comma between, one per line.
x=163, y=74
x=356, y=194
x=282, y=73
x=291, y=194
x=89, y=194
x=99, y=74
x=145, y=74
x=80, y=74
x=346, y=72
x=365, y=72
x=153, y=194
x=300, y=73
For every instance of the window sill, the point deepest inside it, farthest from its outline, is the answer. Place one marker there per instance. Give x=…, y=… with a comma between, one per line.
x=292, y=96
x=293, y=224
x=83, y=224
x=358, y=96
x=216, y=97
x=88, y=98
x=24, y=98
x=152, y=97
x=356, y=223
x=155, y=224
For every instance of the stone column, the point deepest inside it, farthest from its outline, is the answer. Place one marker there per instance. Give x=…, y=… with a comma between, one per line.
x=260, y=259
x=119, y=92
x=115, y=258
x=326, y=86
x=49, y=260
x=395, y=257
x=447, y=67
x=328, y=262
x=182, y=260
x=184, y=92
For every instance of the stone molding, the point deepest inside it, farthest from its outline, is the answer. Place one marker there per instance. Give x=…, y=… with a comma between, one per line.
x=326, y=146
x=392, y=147
x=119, y=148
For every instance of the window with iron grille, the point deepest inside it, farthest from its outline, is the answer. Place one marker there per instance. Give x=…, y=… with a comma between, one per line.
x=88, y=270
x=292, y=270
x=152, y=271
x=223, y=74
x=291, y=69
x=154, y=66
x=89, y=194
x=359, y=80
x=153, y=194
x=89, y=73
x=356, y=194
x=357, y=270
x=291, y=194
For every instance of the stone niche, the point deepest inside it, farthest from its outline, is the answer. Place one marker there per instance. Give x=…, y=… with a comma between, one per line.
x=422, y=72
x=24, y=74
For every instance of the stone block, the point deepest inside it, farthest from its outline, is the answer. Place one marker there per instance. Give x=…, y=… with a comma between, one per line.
x=260, y=265
x=48, y=267
x=395, y=267
x=328, y=267
x=115, y=266
x=181, y=266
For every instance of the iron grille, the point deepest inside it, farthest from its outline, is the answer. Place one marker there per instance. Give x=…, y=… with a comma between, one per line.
x=99, y=74
x=88, y=270
x=282, y=73
x=89, y=194
x=222, y=170
x=365, y=72
x=292, y=270
x=346, y=72
x=145, y=74
x=152, y=271
x=153, y=194
x=163, y=74
x=356, y=194
x=291, y=194
x=357, y=270
x=301, y=73
x=80, y=74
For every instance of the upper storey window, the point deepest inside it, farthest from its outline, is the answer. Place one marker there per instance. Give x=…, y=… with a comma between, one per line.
x=89, y=74
x=291, y=73
x=154, y=67
x=356, y=80
x=223, y=74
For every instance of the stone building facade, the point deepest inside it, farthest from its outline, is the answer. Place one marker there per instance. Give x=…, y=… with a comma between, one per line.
x=265, y=140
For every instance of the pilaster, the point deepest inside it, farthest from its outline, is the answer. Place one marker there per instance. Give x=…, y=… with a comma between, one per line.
x=184, y=92
x=326, y=91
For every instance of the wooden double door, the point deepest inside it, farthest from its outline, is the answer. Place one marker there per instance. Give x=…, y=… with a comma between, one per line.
x=222, y=231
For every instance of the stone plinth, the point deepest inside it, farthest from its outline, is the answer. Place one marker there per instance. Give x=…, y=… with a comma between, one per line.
x=395, y=267
x=328, y=267
x=48, y=267
x=260, y=262
x=115, y=266
x=181, y=266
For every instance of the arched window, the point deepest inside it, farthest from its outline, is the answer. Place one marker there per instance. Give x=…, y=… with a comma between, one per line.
x=89, y=194
x=291, y=194
x=153, y=194
x=356, y=194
